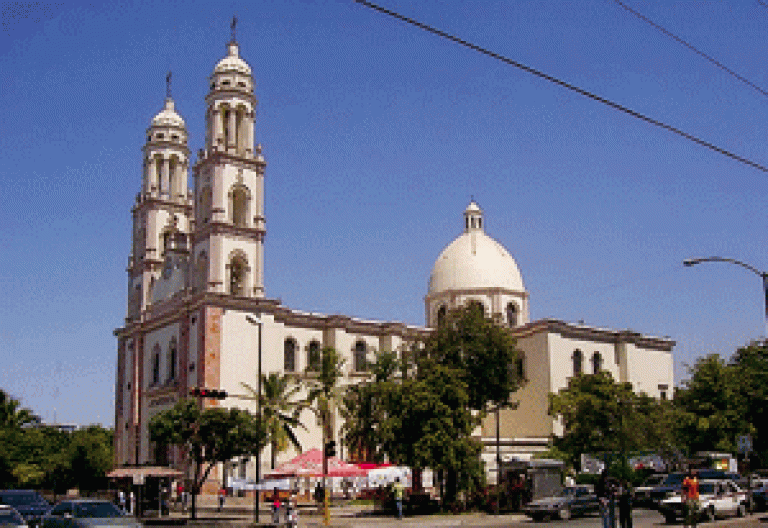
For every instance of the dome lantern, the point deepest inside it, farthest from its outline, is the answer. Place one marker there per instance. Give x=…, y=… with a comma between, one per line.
x=475, y=267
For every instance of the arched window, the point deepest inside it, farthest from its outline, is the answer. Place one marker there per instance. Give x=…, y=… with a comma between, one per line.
x=512, y=314
x=289, y=355
x=239, y=206
x=173, y=358
x=206, y=203
x=597, y=362
x=201, y=280
x=441, y=313
x=360, y=360
x=156, y=365
x=237, y=274
x=313, y=356
x=477, y=305
x=578, y=360
x=520, y=366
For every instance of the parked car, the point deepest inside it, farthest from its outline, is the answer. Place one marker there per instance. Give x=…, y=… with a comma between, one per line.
x=10, y=517
x=717, y=498
x=674, y=483
x=643, y=491
x=88, y=513
x=570, y=502
x=760, y=499
x=29, y=503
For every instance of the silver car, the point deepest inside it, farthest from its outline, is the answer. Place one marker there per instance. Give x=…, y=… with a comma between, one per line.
x=88, y=513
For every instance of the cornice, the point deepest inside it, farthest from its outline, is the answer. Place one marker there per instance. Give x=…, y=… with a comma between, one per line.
x=495, y=290
x=224, y=95
x=604, y=335
x=147, y=201
x=219, y=157
x=184, y=303
x=222, y=228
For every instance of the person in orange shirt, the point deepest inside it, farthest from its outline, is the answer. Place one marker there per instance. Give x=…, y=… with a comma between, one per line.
x=691, y=498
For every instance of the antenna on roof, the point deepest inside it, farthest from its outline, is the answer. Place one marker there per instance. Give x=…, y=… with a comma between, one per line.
x=233, y=26
x=168, y=86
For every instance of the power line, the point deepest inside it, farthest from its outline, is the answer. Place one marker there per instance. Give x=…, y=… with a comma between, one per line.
x=690, y=47
x=564, y=84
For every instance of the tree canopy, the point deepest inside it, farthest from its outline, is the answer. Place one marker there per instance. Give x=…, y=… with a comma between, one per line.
x=208, y=435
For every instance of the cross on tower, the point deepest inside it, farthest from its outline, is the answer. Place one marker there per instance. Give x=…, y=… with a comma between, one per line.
x=168, y=86
x=234, y=26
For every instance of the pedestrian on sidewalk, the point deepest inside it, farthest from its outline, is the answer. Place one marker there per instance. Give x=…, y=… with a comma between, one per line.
x=399, y=493
x=276, y=505
x=625, y=504
x=222, y=497
x=691, y=497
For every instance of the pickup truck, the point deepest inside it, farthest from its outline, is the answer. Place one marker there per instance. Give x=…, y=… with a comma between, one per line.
x=717, y=498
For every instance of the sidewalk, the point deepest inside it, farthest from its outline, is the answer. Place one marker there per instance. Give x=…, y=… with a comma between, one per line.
x=238, y=512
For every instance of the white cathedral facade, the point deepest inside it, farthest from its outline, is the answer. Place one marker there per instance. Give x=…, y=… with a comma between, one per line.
x=198, y=315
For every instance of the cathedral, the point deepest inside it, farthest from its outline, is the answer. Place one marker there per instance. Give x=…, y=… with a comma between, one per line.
x=198, y=315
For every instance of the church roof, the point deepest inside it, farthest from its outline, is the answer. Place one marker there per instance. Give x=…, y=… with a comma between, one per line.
x=232, y=62
x=168, y=116
x=475, y=260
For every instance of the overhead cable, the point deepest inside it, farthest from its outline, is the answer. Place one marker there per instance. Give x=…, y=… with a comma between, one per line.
x=690, y=47
x=564, y=84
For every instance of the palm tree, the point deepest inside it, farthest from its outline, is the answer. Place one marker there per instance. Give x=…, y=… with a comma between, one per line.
x=324, y=395
x=279, y=410
x=12, y=415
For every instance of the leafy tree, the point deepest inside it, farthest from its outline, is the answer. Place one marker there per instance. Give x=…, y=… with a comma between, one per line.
x=365, y=407
x=483, y=353
x=711, y=412
x=279, y=411
x=90, y=456
x=209, y=436
x=751, y=371
x=430, y=424
x=12, y=415
x=603, y=416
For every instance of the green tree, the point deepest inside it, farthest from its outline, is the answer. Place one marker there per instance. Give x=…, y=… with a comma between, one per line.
x=209, y=436
x=324, y=394
x=601, y=416
x=89, y=456
x=710, y=405
x=279, y=411
x=751, y=366
x=12, y=415
x=429, y=424
x=483, y=353
x=365, y=407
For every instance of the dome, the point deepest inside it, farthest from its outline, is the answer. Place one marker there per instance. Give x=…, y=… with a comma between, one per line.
x=474, y=260
x=232, y=62
x=168, y=116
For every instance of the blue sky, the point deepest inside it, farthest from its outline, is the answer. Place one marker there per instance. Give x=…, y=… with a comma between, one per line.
x=376, y=135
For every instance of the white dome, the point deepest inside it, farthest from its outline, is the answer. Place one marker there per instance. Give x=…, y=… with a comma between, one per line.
x=474, y=260
x=232, y=62
x=168, y=116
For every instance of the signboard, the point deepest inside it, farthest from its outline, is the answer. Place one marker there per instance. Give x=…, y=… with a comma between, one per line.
x=138, y=479
x=744, y=444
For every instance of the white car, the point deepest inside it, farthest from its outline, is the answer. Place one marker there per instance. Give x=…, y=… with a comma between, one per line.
x=717, y=498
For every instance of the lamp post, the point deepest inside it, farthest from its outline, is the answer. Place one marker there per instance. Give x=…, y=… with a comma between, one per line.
x=762, y=274
x=259, y=323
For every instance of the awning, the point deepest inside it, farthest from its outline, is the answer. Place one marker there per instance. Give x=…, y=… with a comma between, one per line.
x=142, y=472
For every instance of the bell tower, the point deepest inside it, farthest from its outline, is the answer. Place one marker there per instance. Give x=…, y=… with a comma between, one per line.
x=228, y=253
x=163, y=209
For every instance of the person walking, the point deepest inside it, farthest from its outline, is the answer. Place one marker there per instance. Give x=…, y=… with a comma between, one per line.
x=276, y=505
x=399, y=490
x=691, y=497
x=605, y=490
x=625, y=504
x=222, y=497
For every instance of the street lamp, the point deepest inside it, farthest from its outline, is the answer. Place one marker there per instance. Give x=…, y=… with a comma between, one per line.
x=762, y=274
x=259, y=323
